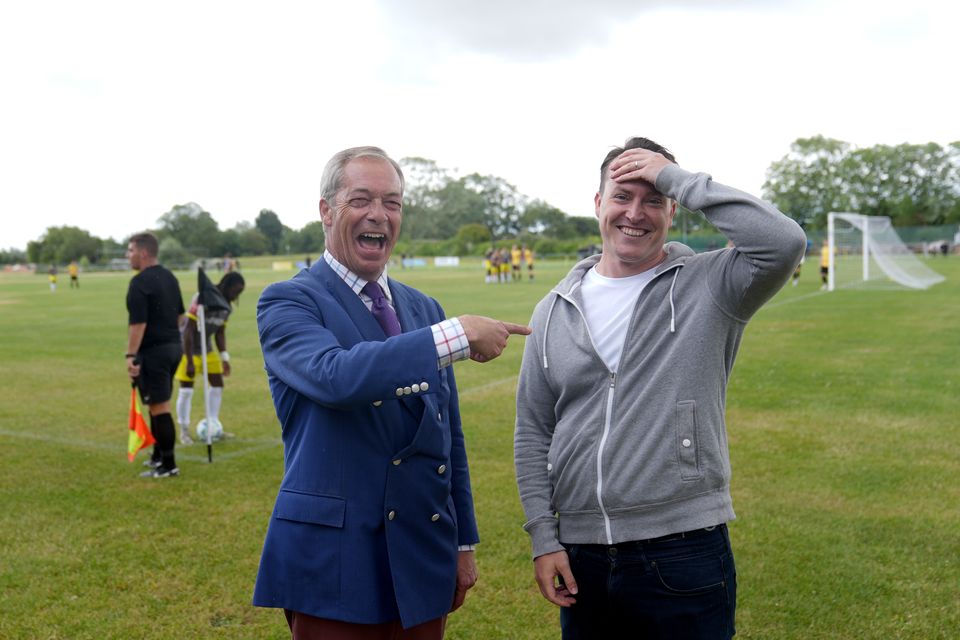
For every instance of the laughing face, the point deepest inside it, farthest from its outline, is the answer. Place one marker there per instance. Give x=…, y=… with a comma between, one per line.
x=363, y=224
x=634, y=220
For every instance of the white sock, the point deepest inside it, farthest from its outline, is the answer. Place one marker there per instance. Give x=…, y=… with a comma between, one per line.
x=216, y=399
x=184, y=398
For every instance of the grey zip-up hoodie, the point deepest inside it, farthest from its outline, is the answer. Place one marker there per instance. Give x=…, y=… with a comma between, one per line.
x=604, y=457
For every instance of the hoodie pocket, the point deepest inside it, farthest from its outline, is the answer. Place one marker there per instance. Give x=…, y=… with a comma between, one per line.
x=688, y=446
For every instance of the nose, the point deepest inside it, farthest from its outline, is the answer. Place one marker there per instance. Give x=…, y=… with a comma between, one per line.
x=635, y=210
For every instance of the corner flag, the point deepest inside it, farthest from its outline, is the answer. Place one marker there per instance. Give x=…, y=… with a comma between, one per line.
x=140, y=435
x=209, y=295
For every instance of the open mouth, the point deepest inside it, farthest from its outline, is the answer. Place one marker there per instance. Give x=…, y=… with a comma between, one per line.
x=372, y=240
x=633, y=232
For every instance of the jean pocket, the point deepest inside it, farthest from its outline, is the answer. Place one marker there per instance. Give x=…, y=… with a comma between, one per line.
x=692, y=574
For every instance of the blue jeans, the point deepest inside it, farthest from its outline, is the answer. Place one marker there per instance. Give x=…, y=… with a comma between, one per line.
x=681, y=586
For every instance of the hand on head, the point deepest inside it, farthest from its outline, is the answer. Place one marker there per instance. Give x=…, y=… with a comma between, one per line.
x=638, y=164
x=488, y=337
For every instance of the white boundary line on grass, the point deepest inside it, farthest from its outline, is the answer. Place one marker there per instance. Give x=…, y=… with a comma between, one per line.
x=257, y=445
x=780, y=303
x=186, y=452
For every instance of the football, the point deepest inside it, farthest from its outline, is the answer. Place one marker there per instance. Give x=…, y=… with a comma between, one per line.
x=211, y=424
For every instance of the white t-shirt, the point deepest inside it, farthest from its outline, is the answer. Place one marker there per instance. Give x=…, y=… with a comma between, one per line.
x=607, y=305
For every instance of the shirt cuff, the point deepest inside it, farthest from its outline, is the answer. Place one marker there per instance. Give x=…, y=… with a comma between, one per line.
x=467, y=547
x=451, y=342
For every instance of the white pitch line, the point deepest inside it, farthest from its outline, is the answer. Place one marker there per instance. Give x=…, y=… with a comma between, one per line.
x=183, y=451
x=258, y=445
x=490, y=385
x=780, y=303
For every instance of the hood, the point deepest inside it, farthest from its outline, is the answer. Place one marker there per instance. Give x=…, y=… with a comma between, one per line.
x=677, y=253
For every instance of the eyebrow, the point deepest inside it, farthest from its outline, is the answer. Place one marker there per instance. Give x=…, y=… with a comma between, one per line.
x=360, y=191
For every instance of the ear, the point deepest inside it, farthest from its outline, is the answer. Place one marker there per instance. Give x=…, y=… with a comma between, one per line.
x=596, y=204
x=326, y=213
x=673, y=208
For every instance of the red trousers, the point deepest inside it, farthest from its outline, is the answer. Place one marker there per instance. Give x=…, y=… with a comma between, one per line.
x=306, y=627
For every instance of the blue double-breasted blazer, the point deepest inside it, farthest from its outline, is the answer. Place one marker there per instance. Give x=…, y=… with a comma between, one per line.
x=375, y=497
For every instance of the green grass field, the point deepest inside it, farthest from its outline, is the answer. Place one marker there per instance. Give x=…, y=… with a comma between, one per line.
x=843, y=415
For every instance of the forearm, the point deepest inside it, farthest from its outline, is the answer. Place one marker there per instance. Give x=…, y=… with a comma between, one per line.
x=326, y=367
x=768, y=239
x=188, y=339
x=135, y=337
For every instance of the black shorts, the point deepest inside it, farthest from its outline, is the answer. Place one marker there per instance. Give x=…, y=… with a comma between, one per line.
x=157, y=366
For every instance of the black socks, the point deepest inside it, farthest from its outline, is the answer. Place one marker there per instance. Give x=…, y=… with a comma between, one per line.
x=163, y=430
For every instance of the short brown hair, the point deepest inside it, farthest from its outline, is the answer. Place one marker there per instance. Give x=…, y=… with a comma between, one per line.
x=147, y=242
x=633, y=143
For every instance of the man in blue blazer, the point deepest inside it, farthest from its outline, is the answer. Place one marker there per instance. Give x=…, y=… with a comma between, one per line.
x=373, y=530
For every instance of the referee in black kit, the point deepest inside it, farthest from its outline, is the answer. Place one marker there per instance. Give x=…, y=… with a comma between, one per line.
x=155, y=307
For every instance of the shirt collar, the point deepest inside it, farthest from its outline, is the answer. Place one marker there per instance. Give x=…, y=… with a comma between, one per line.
x=354, y=281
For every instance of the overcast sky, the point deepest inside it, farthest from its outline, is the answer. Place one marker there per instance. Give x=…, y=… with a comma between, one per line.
x=113, y=112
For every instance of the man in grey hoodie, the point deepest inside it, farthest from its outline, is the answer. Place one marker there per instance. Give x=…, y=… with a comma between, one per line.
x=620, y=446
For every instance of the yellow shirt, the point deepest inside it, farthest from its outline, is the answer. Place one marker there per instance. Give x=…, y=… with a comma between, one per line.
x=825, y=257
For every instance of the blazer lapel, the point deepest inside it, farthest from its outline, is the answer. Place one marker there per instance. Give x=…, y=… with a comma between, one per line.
x=362, y=319
x=408, y=312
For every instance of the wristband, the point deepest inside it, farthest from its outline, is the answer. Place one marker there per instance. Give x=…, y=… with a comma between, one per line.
x=224, y=356
x=130, y=355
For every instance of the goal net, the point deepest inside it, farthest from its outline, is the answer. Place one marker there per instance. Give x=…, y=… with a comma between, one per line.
x=867, y=249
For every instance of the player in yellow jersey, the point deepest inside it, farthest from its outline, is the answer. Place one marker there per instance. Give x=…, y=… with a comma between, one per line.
x=824, y=263
x=218, y=362
x=516, y=256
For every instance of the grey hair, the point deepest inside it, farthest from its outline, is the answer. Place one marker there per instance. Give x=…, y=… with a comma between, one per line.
x=332, y=178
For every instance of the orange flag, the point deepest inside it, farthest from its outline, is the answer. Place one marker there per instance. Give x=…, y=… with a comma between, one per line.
x=140, y=435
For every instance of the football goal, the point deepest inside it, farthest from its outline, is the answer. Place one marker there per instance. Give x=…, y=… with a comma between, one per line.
x=867, y=249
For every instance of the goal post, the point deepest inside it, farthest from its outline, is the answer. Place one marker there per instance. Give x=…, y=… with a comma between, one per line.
x=867, y=248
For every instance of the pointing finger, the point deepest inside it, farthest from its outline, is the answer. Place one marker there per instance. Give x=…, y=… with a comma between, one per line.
x=517, y=329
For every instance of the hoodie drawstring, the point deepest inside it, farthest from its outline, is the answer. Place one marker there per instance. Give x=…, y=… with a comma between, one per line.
x=553, y=303
x=673, y=311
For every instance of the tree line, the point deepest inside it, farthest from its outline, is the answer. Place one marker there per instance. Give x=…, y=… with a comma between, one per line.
x=913, y=184
x=445, y=214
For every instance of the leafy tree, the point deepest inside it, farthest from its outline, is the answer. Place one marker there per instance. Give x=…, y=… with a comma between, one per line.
x=543, y=219
x=12, y=256
x=456, y=205
x=172, y=253
x=309, y=239
x=502, y=204
x=268, y=223
x=424, y=215
x=807, y=183
x=195, y=229
x=913, y=184
x=63, y=244
x=252, y=242
x=469, y=238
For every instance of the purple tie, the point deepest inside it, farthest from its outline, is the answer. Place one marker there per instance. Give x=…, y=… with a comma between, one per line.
x=382, y=310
